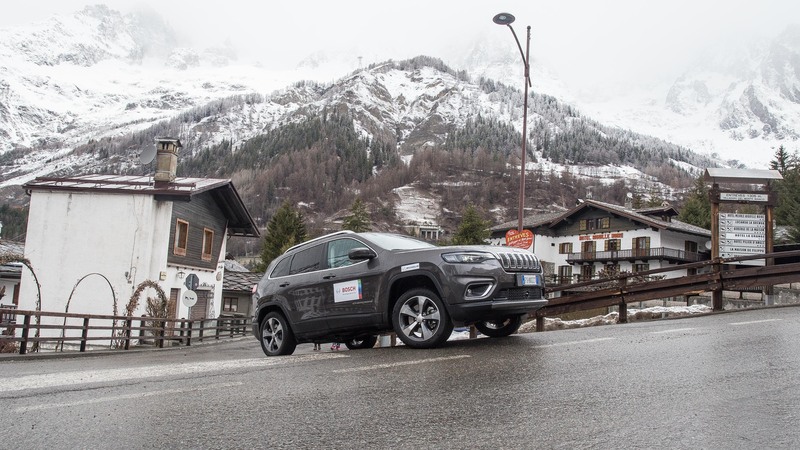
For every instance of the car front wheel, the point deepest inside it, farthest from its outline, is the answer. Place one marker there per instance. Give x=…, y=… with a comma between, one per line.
x=420, y=319
x=500, y=328
x=276, y=336
x=367, y=341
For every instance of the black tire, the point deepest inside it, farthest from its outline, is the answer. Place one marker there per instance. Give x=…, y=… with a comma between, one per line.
x=500, y=328
x=420, y=319
x=361, y=342
x=276, y=337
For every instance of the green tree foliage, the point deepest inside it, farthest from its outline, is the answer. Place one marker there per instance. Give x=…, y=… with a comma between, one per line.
x=697, y=209
x=358, y=220
x=15, y=222
x=285, y=229
x=473, y=229
x=787, y=211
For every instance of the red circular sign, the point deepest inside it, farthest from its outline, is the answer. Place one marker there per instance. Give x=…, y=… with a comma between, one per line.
x=523, y=239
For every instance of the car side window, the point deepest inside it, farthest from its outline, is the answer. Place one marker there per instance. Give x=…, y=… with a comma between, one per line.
x=282, y=268
x=307, y=260
x=338, y=250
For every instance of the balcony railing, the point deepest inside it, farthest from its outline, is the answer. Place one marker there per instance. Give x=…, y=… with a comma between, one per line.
x=647, y=254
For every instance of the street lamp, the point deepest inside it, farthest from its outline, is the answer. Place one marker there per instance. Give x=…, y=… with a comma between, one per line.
x=508, y=19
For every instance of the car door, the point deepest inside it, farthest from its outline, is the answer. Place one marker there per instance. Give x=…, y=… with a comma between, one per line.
x=303, y=291
x=351, y=287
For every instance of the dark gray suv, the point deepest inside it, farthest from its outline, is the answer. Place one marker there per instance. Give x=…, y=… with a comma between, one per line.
x=349, y=287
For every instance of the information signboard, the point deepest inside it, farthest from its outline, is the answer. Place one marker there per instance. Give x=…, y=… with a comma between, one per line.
x=742, y=235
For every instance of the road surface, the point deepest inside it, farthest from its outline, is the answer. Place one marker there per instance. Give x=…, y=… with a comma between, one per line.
x=719, y=381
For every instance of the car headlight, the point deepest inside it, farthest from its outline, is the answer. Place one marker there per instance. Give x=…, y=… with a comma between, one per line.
x=467, y=257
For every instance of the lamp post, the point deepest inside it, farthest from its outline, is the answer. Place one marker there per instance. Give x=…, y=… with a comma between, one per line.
x=508, y=19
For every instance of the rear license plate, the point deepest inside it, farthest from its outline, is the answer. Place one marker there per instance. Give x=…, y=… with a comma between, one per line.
x=529, y=280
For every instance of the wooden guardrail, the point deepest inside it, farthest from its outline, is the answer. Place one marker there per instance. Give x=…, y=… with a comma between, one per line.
x=715, y=276
x=120, y=331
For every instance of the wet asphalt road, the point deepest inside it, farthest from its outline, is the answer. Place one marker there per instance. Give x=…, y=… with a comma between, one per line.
x=720, y=381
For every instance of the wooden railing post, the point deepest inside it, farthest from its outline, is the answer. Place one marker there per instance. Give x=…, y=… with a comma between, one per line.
x=161, y=333
x=202, y=327
x=189, y=333
x=539, y=323
x=26, y=325
x=84, y=334
x=623, y=307
x=128, y=327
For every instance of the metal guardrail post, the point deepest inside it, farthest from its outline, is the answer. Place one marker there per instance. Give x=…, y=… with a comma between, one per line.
x=84, y=334
x=26, y=325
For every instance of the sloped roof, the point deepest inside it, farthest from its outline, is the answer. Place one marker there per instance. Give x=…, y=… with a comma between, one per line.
x=553, y=219
x=674, y=225
x=528, y=222
x=224, y=194
x=240, y=281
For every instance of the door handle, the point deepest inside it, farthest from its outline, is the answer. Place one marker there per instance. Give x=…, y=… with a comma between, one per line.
x=284, y=284
x=328, y=277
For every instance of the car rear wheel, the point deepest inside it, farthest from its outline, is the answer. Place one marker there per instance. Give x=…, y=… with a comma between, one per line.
x=420, y=319
x=501, y=327
x=366, y=341
x=276, y=336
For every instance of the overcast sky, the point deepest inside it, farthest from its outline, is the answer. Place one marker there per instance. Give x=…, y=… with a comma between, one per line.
x=579, y=39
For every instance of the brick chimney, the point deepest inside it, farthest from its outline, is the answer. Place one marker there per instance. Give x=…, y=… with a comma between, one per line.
x=166, y=160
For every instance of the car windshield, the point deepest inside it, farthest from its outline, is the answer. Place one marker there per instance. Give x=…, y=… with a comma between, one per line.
x=396, y=241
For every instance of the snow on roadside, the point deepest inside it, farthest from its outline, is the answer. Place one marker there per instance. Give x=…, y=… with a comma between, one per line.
x=656, y=312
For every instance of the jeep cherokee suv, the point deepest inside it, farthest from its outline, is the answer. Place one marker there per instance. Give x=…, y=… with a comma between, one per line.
x=349, y=287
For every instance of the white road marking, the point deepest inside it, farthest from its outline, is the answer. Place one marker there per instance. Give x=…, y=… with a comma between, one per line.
x=50, y=380
x=114, y=398
x=399, y=364
x=755, y=321
x=677, y=330
x=587, y=341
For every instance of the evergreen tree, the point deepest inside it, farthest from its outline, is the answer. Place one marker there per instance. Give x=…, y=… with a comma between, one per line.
x=358, y=220
x=783, y=161
x=473, y=228
x=286, y=229
x=787, y=210
x=697, y=209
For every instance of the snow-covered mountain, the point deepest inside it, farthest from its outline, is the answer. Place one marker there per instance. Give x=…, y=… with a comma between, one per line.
x=740, y=101
x=98, y=74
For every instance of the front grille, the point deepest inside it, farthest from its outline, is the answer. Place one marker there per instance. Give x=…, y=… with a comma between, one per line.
x=520, y=293
x=519, y=262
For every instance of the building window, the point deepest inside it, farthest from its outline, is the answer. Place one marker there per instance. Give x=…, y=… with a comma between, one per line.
x=641, y=268
x=587, y=272
x=564, y=274
x=208, y=244
x=565, y=248
x=613, y=245
x=230, y=304
x=641, y=246
x=602, y=223
x=181, y=237
x=588, y=248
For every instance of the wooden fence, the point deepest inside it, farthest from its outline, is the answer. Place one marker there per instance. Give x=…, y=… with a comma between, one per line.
x=714, y=276
x=109, y=332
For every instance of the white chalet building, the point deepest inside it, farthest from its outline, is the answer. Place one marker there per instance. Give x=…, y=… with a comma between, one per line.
x=95, y=233
x=576, y=245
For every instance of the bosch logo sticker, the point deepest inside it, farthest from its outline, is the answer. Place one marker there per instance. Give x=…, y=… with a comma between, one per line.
x=347, y=291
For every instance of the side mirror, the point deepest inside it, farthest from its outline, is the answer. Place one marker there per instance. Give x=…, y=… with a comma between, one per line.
x=361, y=253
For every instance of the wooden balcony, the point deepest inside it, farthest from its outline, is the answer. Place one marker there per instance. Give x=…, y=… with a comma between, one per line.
x=632, y=255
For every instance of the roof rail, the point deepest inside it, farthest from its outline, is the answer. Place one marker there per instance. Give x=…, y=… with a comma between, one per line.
x=343, y=232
